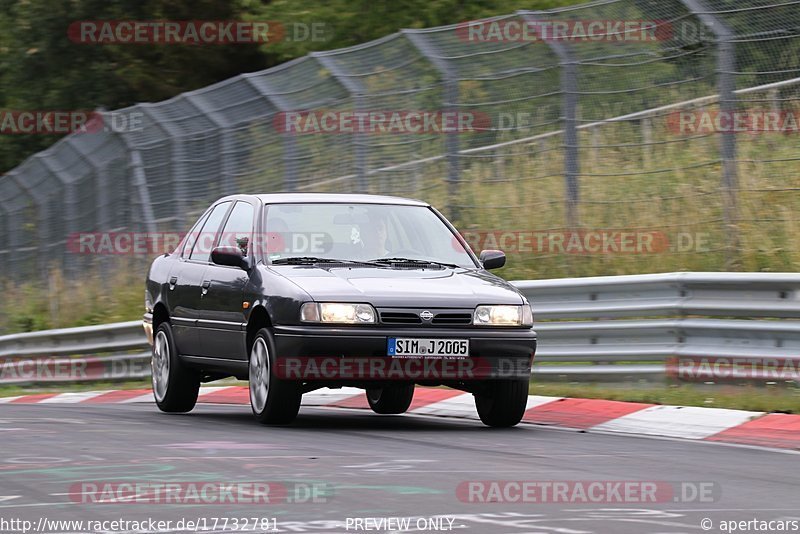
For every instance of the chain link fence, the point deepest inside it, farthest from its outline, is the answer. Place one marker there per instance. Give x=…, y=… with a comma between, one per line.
x=587, y=129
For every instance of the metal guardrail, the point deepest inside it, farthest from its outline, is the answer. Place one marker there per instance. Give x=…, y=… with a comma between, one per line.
x=772, y=295
x=647, y=322
x=689, y=326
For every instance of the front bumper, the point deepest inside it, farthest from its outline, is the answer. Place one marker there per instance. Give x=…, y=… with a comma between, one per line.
x=360, y=353
x=147, y=323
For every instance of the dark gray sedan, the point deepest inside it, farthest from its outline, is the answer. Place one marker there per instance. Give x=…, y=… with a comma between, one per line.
x=296, y=292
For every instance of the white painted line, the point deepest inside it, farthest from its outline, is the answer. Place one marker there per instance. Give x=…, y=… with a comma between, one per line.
x=322, y=397
x=147, y=397
x=686, y=422
x=537, y=400
x=72, y=397
x=460, y=406
x=6, y=400
x=464, y=406
x=213, y=389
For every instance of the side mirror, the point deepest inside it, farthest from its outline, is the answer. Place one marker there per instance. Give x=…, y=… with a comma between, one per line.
x=492, y=259
x=230, y=256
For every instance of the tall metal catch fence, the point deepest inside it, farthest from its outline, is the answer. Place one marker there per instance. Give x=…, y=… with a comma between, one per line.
x=611, y=137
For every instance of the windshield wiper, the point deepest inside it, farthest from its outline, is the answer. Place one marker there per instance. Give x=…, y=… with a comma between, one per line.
x=310, y=260
x=415, y=261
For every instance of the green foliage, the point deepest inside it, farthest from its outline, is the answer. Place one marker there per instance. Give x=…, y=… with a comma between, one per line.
x=352, y=22
x=42, y=69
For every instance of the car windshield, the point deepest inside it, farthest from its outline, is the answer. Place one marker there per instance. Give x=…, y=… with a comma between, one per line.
x=378, y=233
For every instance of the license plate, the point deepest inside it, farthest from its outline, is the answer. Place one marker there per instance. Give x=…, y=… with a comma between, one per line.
x=402, y=347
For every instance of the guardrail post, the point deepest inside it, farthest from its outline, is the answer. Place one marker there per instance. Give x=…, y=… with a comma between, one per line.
x=357, y=91
x=726, y=85
x=449, y=105
x=569, y=90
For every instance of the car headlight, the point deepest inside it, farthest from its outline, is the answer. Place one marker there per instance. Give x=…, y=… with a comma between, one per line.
x=503, y=316
x=337, y=312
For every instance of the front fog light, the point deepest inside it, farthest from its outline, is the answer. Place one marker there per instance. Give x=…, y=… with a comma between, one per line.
x=499, y=316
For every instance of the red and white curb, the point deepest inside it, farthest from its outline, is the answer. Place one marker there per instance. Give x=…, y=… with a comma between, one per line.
x=593, y=415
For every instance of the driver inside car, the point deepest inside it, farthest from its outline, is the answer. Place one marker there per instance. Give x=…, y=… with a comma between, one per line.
x=376, y=238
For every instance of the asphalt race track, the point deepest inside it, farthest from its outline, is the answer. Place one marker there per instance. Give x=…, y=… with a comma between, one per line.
x=361, y=465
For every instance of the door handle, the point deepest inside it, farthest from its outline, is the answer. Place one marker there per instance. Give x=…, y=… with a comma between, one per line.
x=172, y=282
x=206, y=285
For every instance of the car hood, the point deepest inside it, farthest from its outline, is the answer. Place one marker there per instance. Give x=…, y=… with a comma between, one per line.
x=441, y=288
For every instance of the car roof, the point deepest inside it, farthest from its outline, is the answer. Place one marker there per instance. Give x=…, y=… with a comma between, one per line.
x=320, y=198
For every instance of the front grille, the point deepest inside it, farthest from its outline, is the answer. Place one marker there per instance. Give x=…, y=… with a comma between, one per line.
x=400, y=318
x=410, y=317
x=452, y=319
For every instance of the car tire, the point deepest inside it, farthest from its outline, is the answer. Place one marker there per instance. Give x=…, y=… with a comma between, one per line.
x=274, y=401
x=390, y=400
x=175, y=387
x=503, y=403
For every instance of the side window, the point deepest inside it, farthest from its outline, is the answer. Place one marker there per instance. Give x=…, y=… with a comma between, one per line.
x=208, y=235
x=239, y=228
x=191, y=237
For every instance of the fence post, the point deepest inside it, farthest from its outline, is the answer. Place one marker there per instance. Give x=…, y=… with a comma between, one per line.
x=726, y=86
x=13, y=227
x=103, y=216
x=290, y=156
x=569, y=89
x=5, y=240
x=15, y=231
x=177, y=164
x=774, y=95
x=42, y=217
x=449, y=105
x=356, y=90
x=69, y=201
x=140, y=183
x=227, y=186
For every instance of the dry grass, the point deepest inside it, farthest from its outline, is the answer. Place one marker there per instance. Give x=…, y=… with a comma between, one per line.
x=110, y=296
x=671, y=187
